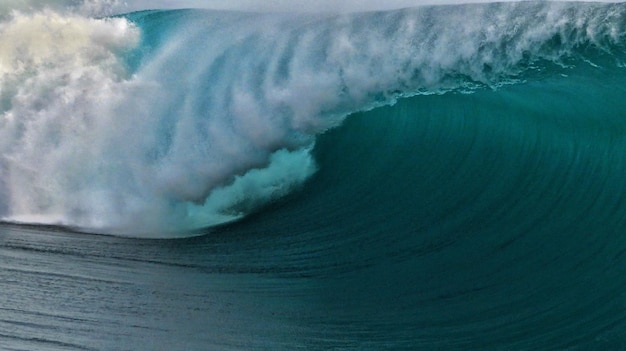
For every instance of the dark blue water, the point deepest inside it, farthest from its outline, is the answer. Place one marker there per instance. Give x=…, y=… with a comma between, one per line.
x=475, y=201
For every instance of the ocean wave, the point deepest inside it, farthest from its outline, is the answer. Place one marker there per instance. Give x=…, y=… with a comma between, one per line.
x=158, y=122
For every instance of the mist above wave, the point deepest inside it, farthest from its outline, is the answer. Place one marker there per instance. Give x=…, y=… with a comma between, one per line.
x=109, y=7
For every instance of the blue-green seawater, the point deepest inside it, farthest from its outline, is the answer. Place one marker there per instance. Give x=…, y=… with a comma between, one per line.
x=484, y=213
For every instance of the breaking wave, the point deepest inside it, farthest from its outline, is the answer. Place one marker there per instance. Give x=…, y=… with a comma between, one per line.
x=156, y=123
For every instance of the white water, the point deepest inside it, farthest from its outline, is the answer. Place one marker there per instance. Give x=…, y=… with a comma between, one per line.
x=77, y=129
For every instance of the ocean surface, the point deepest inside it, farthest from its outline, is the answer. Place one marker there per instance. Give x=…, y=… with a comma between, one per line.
x=447, y=177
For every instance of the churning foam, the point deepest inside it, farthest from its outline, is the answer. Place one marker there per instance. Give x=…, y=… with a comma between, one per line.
x=80, y=137
x=59, y=75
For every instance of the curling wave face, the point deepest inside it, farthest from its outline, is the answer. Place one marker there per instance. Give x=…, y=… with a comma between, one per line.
x=164, y=121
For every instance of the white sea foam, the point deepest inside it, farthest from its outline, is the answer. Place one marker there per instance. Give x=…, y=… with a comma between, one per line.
x=59, y=75
x=77, y=131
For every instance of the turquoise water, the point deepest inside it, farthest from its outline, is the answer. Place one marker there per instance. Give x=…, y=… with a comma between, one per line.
x=398, y=180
